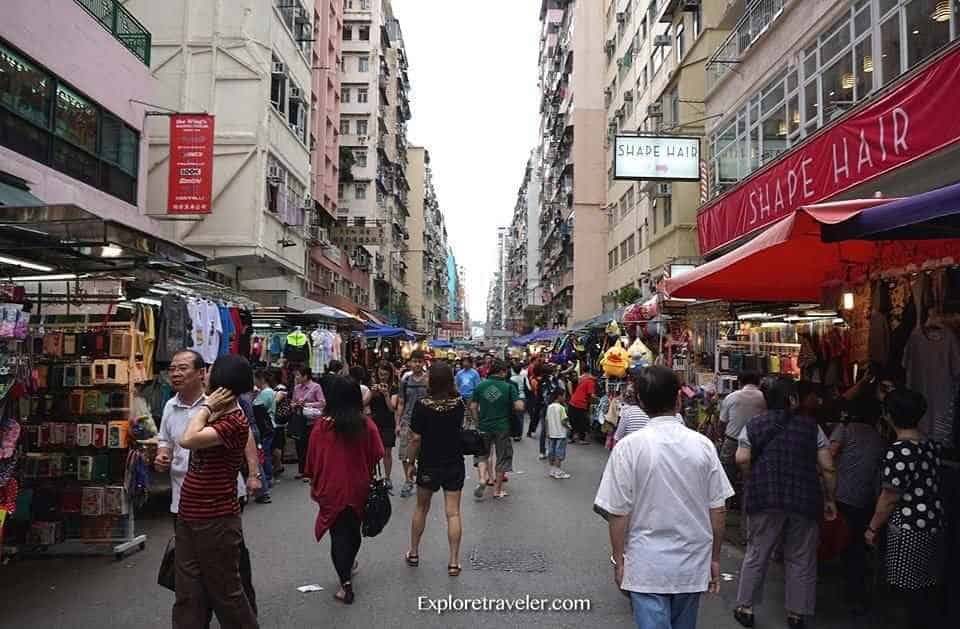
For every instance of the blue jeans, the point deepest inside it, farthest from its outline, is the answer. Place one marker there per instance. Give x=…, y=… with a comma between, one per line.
x=665, y=611
x=267, y=445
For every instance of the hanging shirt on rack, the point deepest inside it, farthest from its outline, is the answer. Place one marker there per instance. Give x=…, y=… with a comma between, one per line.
x=297, y=349
x=214, y=331
x=176, y=330
x=226, y=323
x=317, y=359
x=932, y=363
x=337, y=346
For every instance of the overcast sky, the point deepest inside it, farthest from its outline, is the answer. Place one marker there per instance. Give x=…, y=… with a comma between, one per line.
x=473, y=74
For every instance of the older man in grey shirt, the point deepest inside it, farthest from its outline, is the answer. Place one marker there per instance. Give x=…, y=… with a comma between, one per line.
x=736, y=410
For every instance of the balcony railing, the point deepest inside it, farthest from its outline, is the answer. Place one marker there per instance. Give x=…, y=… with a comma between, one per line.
x=758, y=16
x=117, y=20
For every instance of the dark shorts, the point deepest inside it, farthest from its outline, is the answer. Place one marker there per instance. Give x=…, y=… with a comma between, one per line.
x=501, y=443
x=388, y=435
x=449, y=477
x=279, y=438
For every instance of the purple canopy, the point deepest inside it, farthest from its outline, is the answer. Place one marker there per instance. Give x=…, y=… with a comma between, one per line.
x=925, y=216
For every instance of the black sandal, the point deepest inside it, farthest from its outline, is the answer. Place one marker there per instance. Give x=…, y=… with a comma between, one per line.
x=453, y=571
x=347, y=598
x=742, y=616
x=412, y=560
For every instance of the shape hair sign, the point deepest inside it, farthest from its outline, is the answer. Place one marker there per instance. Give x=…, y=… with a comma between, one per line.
x=656, y=158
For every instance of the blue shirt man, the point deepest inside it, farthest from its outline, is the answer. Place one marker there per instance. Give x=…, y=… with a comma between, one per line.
x=467, y=379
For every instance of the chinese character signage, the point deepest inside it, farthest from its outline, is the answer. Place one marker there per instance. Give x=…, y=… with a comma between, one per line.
x=190, y=187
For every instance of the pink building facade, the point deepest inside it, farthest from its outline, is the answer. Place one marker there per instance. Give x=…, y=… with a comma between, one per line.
x=73, y=129
x=325, y=122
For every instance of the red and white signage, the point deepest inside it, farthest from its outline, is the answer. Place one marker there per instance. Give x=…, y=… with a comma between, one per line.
x=909, y=123
x=190, y=186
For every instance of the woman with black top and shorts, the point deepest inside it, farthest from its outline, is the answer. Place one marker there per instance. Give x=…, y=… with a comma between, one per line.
x=383, y=404
x=435, y=444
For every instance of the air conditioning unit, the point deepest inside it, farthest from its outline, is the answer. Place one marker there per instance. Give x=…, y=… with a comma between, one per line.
x=628, y=95
x=607, y=91
x=308, y=202
x=295, y=92
x=661, y=41
x=279, y=67
x=655, y=110
x=662, y=190
x=690, y=5
x=621, y=17
x=362, y=139
x=274, y=173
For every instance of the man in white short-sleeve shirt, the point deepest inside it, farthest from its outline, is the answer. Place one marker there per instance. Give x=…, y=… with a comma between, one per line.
x=663, y=494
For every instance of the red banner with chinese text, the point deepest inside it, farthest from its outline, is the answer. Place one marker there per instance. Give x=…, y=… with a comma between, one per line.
x=190, y=185
x=910, y=122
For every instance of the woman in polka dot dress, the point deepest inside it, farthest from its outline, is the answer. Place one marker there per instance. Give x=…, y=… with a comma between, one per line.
x=910, y=505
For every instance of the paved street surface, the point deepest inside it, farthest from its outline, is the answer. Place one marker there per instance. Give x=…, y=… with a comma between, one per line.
x=547, y=525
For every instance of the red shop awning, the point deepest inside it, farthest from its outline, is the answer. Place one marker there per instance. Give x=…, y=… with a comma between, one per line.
x=789, y=261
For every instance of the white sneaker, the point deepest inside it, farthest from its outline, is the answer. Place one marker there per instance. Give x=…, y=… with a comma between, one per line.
x=562, y=474
x=542, y=457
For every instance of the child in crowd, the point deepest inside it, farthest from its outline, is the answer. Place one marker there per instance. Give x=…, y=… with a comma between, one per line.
x=557, y=427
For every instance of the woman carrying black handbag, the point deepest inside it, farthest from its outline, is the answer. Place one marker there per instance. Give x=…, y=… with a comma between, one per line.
x=344, y=449
x=437, y=441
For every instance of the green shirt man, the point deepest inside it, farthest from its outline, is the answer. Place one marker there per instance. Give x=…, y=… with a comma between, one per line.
x=496, y=399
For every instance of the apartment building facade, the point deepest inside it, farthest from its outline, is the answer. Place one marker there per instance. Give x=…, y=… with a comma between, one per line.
x=573, y=230
x=655, y=63
x=249, y=66
x=497, y=291
x=374, y=112
x=855, y=76
x=523, y=293
x=72, y=110
x=427, y=281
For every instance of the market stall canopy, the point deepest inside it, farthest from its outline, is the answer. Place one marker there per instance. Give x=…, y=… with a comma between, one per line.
x=329, y=312
x=934, y=214
x=440, y=344
x=598, y=321
x=540, y=336
x=374, y=331
x=790, y=261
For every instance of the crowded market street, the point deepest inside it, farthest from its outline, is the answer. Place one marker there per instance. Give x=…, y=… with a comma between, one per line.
x=556, y=548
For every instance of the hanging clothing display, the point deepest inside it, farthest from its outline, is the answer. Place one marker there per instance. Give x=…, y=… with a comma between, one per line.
x=297, y=349
x=932, y=363
x=175, y=329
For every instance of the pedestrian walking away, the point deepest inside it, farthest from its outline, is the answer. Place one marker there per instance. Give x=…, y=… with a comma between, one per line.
x=413, y=388
x=435, y=444
x=343, y=452
x=494, y=402
x=735, y=411
x=783, y=454
x=209, y=534
x=663, y=493
x=911, y=508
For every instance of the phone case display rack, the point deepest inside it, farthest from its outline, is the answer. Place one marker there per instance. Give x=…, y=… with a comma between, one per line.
x=78, y=438
x=727, y=374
